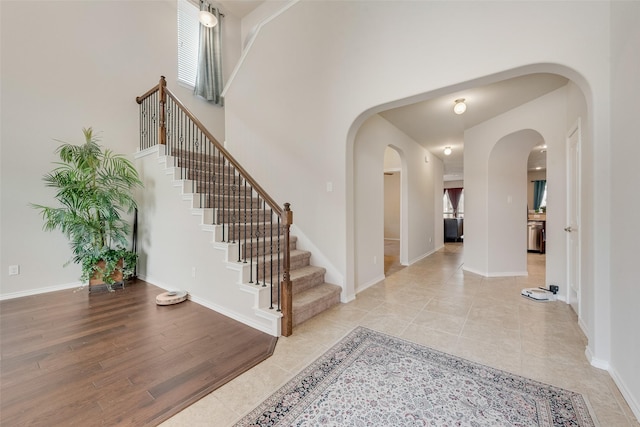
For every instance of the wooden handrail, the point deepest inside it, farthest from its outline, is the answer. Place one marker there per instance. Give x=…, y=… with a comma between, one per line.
x=148, y=93
x=272, y=203
x=154, y=114
x=162, y=85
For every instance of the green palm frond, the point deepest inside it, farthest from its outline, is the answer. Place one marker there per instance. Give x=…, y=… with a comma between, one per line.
x=94, y=187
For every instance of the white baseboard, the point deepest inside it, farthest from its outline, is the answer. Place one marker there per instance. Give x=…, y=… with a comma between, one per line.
x=236, y=316
x=474, y=271
x=594, y=361
x=634, y=405
x=273, y=330
x=44, y=290
x=581, y=323
x=421, y=257
x=370, y=283
x=628, y=396
x=508, y=273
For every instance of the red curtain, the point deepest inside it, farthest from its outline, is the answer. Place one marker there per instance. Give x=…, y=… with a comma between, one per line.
x=454, y=197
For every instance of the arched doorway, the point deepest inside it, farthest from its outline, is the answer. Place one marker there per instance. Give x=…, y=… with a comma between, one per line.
x=392, y=210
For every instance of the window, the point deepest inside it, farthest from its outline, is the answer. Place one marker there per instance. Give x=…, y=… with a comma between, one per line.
x=188, y=33
x=543, y=203
x=447, y=207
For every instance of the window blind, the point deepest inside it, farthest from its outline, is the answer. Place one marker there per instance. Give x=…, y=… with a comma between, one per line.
x=188, y=33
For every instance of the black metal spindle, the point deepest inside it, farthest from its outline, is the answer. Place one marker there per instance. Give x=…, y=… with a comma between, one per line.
x=217, y=190
x=264, y=246
x=271, y=259
x=224, y=186
x=251, y=239
x=279, y=263
x=245, y=222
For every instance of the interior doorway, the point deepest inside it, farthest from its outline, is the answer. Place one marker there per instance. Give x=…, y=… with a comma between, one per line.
x=392, y=211
x=537, y=213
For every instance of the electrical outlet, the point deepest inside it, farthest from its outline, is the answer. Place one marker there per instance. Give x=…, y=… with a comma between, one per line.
x=554, y=288
x=375, y=259
x=14, y=270
x=193, y=272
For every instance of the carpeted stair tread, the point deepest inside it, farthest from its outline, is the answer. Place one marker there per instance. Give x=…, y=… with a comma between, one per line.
x=303, y=279
x=306, y=277
x=235, y=205
x=314, y=301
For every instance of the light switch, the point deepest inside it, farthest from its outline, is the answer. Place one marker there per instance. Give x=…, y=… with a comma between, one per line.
x=329, y=186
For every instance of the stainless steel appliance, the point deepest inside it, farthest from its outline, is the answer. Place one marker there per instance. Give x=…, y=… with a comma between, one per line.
x=534, y=235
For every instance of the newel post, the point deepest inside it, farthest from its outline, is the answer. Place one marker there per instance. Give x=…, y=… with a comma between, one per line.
x=162, y=129
x=285, y=286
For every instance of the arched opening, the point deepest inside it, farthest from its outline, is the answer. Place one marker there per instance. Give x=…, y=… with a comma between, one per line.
x=548, y=114
x=392, y=211
x=507, y=203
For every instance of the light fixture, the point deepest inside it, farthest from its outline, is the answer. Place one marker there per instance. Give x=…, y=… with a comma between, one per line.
x=447, y=151
x=207, y=19
x=459, y=107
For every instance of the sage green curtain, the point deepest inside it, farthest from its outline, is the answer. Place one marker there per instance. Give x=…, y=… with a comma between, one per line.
x=538, y=192
x=209, y=72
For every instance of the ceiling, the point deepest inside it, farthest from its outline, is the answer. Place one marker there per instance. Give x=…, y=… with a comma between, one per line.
x=240, y=8
x=434, y=125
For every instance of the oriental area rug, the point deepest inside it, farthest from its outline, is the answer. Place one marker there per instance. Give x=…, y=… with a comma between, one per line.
x=373, y=379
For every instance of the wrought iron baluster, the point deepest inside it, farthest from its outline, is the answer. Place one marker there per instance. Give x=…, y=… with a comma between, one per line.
x=271, y=259
x=224, y=186
x=279, y=264
x=264, y=246
x=245, y=222
x=251, y=232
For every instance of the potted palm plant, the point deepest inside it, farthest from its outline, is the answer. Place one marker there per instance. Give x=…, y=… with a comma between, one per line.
x=94, y=187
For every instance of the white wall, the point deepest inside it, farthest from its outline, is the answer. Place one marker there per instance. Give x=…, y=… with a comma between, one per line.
x=507, y=204
x=303, y=92
x=546, y=116
x=418, y=222
x=272, y=86
x=311, y=128
x=177, y=254
x=625, y=179
x=258, y=16
x=68, y=65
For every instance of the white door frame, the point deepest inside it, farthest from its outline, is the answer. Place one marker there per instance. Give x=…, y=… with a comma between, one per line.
x=573, y=226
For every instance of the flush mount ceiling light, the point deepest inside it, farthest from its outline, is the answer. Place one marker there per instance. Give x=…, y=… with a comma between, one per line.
x=447, y=151
x=207, y=19
x=459, y=107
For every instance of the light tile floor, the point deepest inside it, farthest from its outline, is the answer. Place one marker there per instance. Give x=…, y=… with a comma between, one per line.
x=435, y=303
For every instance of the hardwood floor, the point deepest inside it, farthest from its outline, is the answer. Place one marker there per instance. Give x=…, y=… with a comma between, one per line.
x=74, y=358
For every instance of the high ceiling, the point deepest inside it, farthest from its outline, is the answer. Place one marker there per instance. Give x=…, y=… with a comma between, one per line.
x=240, y=8
x=434, y=125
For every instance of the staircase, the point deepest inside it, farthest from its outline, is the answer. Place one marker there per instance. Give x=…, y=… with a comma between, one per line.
x=311, y=294
x=246, y=222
